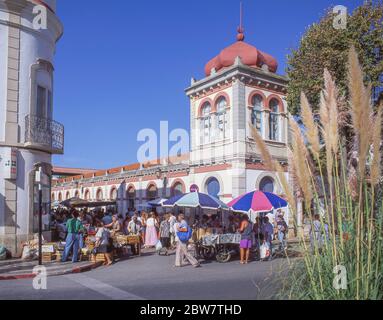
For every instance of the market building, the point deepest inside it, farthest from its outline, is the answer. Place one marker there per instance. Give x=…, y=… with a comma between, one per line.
x=28, y=134
x=240, y=89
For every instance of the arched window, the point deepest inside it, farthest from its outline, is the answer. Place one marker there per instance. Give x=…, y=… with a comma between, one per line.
x=256, y=114
x=266, y=184
x=274, y=120
x=77, y=194
x=213, y=188
x=131, y=195
x=152, y=192
x=53, y=198
x=205, y=123
x=60, y=197
x=99, y=195
x=222, y=118
x=113, y=194
x=87, y=195
x=177, y=189
x=67, y=196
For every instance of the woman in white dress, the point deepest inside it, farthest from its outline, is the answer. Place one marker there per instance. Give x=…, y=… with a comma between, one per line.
x=151, y=236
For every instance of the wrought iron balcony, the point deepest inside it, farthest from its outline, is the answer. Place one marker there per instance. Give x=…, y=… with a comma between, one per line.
x=44, y=134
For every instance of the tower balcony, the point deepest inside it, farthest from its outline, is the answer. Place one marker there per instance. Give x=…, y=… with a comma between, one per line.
x=44, y=134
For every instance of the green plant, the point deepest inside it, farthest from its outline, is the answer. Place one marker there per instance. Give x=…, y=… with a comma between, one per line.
x=349, y=232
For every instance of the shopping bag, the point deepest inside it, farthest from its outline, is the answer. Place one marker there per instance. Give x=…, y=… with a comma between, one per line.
x=158, y=246
x=265, y=251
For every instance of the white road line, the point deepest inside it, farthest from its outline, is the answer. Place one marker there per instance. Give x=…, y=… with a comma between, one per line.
x=103, y=288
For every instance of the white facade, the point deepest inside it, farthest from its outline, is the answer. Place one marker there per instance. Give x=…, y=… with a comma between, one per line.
x=26, y=110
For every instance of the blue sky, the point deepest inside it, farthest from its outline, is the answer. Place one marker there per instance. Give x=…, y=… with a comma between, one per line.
x=123, y=65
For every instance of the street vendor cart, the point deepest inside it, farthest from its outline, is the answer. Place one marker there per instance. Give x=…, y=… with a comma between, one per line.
x=222, y=247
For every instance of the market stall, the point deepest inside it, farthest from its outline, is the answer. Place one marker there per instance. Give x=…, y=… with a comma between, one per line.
x=209, y=242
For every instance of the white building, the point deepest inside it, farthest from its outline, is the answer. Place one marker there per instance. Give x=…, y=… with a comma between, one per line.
x=28, y=135
x=241, y=89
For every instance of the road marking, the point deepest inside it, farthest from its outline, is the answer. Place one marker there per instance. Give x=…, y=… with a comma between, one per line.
x=103, y=288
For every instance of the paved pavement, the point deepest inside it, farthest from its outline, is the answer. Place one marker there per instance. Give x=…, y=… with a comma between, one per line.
x=153, y=277
x=18, y=269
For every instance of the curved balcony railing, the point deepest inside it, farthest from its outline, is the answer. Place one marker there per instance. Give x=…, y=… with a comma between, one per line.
x=46, y=134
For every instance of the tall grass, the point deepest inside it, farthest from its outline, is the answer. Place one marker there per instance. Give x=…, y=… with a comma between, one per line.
x=348, y=184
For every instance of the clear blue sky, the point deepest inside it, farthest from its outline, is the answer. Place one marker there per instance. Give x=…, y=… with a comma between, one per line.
x=123, y=65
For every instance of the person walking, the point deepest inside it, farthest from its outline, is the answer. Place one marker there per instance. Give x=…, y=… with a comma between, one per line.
x=182, y=250
x=257, y=235
x=282, y=228
x=246, y=230
x=74, y=228
x=172, y=221
x=319, y=233
x=268, y=234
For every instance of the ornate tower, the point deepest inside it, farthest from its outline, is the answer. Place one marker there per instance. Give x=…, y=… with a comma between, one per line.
x=241, y=89
x=29, y=30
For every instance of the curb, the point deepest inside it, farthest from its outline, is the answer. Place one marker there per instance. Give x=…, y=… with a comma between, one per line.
x=74, y=270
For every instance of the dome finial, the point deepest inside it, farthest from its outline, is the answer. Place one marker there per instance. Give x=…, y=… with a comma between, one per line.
x=240, y=35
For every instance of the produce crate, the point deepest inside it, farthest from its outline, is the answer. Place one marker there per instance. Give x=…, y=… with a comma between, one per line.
x=122, y=240
x=100, y=257
x=47, y=257
x=85, y=257
x=133, y=240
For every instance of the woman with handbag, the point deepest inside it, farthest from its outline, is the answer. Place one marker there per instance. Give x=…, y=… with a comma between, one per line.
x=183, y=236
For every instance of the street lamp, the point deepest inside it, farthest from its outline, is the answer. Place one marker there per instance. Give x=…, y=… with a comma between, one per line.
x=42, y=180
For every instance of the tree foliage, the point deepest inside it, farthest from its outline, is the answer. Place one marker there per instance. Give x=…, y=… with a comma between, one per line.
x=324, y=46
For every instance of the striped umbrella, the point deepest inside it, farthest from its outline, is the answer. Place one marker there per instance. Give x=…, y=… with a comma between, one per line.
x=257, y=201
x=195, y=200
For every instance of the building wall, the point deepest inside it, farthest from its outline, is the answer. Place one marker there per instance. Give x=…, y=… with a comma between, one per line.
x=26, y=59
x=225, y=174
x=3, y=75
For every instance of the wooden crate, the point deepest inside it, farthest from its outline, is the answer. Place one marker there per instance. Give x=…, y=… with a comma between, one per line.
x=121, y=240
x=84, y=257
x=100, y=257
x=47, y=257
x=133, y=240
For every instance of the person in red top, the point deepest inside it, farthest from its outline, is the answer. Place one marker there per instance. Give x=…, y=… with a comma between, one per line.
x=246, y=244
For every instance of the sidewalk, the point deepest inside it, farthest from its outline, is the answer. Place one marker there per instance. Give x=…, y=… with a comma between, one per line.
x=19, y=269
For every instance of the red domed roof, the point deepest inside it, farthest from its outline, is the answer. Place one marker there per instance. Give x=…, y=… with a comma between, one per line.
x=249, y=55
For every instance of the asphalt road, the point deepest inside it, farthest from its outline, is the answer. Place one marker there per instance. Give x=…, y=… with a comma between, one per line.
x=152, y=277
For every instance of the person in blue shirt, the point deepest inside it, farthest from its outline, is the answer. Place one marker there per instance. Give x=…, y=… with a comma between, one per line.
x=182, y=250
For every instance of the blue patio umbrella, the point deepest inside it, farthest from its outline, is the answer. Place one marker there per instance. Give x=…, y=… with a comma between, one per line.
x=195, y=200
x=157, y=202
